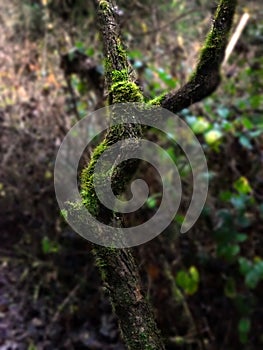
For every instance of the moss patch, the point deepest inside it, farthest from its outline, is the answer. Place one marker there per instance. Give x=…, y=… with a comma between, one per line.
x=157, y=101
x=125, y=91
x=103, y=5
x=88, y=194
x=119, y=75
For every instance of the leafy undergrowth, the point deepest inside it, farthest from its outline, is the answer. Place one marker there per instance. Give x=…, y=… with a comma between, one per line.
x=206, y=286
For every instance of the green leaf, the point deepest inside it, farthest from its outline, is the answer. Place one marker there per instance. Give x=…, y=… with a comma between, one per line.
x=188, y=280
x=191, y=119
x=182, y=279
x=244, y=141
x=80, y=46
x=255, y=101
x=252, y=278
x=166, y=78
x=255, y=134
x=223, y=112
x=247, y=123
x=194, y=274
x=227, y=126
x=152, y=201
x=200, y=125
x=228, y=251
x=64, y=213
x=49, y=246
x=244, y=326
x=259, y=268
x=213, y=136
x=241, y=237
x=225, y=196
x=135, y=54
x=90, y=51
x=241, y=104
x=179, y=218
x=242, y=185
x=239, y=201
x=245, y=265
x=171, y=153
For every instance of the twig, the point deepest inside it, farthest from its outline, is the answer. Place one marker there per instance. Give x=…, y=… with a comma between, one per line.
x=237, y=33
x=73, y=97
x=64, y=303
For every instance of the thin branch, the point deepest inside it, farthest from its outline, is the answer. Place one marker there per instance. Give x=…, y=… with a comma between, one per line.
x=239, y=29
x=73, y=97
x=206, y=76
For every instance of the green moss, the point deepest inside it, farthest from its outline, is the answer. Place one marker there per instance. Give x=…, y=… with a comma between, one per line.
x=121, y=52
x=103, y=255
x=145, y=340
x=73, y=211
x=213, y=50
x=119, y=75
x=116, y=174
x=121, y=90
x=88, y=194
x=157, y=101
x=101, y=264
x=125, y=91
x=64, y=213
x=114, y=75
x=211, y=53
x=104, y=5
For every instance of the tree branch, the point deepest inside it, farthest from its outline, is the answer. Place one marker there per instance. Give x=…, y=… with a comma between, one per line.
x=206, y=76
x=114, y=52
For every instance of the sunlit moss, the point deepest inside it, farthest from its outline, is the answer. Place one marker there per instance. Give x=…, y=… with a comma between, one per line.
x=119, y=75
x=125, y=91
x=104, y=5
x=157, y=101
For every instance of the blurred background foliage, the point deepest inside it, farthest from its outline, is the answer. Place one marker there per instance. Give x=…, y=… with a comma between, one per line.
x=206, y=285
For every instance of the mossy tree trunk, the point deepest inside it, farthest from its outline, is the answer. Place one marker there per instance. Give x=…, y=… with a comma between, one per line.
x=117, y=266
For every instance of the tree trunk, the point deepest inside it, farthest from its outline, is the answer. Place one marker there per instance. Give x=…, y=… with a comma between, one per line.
x=117, y=266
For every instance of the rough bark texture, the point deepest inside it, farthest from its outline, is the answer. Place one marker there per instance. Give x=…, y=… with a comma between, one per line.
x=117, y=266
x=121, y=278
